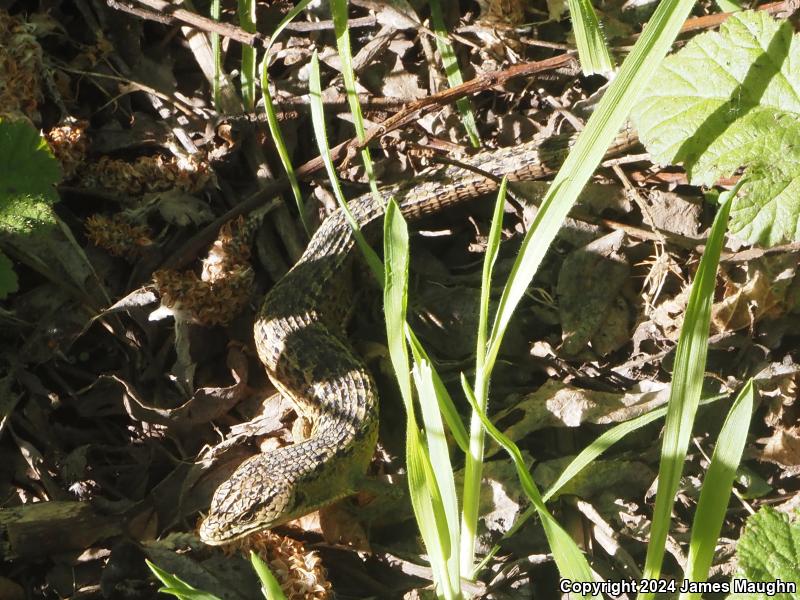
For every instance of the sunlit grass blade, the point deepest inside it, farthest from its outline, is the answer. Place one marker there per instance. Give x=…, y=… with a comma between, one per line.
x=318, y=121
x=177, y=587
x=474, y=464
x=440, y=462
x=272, y=118
x=216, y=49
x=687, y=381
x=452, y=71
x=247, y=21
x=586, y=155
x=446, y=405
x=570, y=560
x=339, y=14
x=717, y=486
x=584, y=459
x=592, y=49
x=426, y=497
x=581, y=162
x=269, y=585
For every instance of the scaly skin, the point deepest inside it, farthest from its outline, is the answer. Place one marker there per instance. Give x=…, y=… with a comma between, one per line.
x=300, y=339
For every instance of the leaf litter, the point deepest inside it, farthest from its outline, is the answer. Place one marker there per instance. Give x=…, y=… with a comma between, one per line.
x=144, y=418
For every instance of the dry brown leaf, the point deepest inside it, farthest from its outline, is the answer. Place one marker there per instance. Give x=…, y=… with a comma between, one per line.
x=557, y=404
x=762, y=294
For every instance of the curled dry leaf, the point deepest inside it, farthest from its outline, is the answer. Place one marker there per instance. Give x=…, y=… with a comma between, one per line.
x=205, y=405
x=762, y=293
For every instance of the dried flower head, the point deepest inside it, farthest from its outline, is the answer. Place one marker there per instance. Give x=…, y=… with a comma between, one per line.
x=20, y=68
x=145, y=174
x=69, y=144
x=118, y=235
x=299, y=571
x=224, y=288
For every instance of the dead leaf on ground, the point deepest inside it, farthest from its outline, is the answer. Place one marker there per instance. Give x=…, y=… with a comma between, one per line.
x=760, y=293
x=205, y=405
x=588, y=284
x=557, y=404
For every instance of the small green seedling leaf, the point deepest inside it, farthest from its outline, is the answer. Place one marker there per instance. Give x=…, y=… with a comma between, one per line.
x=175, y=586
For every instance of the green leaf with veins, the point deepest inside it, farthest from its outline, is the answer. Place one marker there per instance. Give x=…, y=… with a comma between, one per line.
x=26, y=163
x=768, y=551
x=731, y=99
x=28, y=174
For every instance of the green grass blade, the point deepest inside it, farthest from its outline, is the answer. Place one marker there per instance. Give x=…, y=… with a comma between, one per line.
x=570, y=560
x=729, y=6
x=247, y=21
x=592, y=50
x=446, y=405
x=583, y=159
x=216, y=50
x=318, y=121
x=474, y=463
x=583, y=460
x=440, y=463
x=426, y=498
x=717, y=487
x=339, y=14
x=452, y=71
x=272, y=118
x=585, y=156
x=492, y=250
x=687, y=381
x=605, y=441
x=269, y=585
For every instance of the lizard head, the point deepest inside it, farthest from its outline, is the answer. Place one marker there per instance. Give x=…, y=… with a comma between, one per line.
x=246, y=503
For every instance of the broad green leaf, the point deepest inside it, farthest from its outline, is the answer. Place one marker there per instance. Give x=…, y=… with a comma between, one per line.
x=28, y=174
x=731, y=99
x=768, y=551
x=29, y=228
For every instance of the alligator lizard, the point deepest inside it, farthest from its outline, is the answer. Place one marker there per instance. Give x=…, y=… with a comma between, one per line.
x=299, y=335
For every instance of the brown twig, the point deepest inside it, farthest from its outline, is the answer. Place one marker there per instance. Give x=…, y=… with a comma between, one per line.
x=783, y=8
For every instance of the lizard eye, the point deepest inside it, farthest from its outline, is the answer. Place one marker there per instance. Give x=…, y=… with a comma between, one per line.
x=248, y=515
